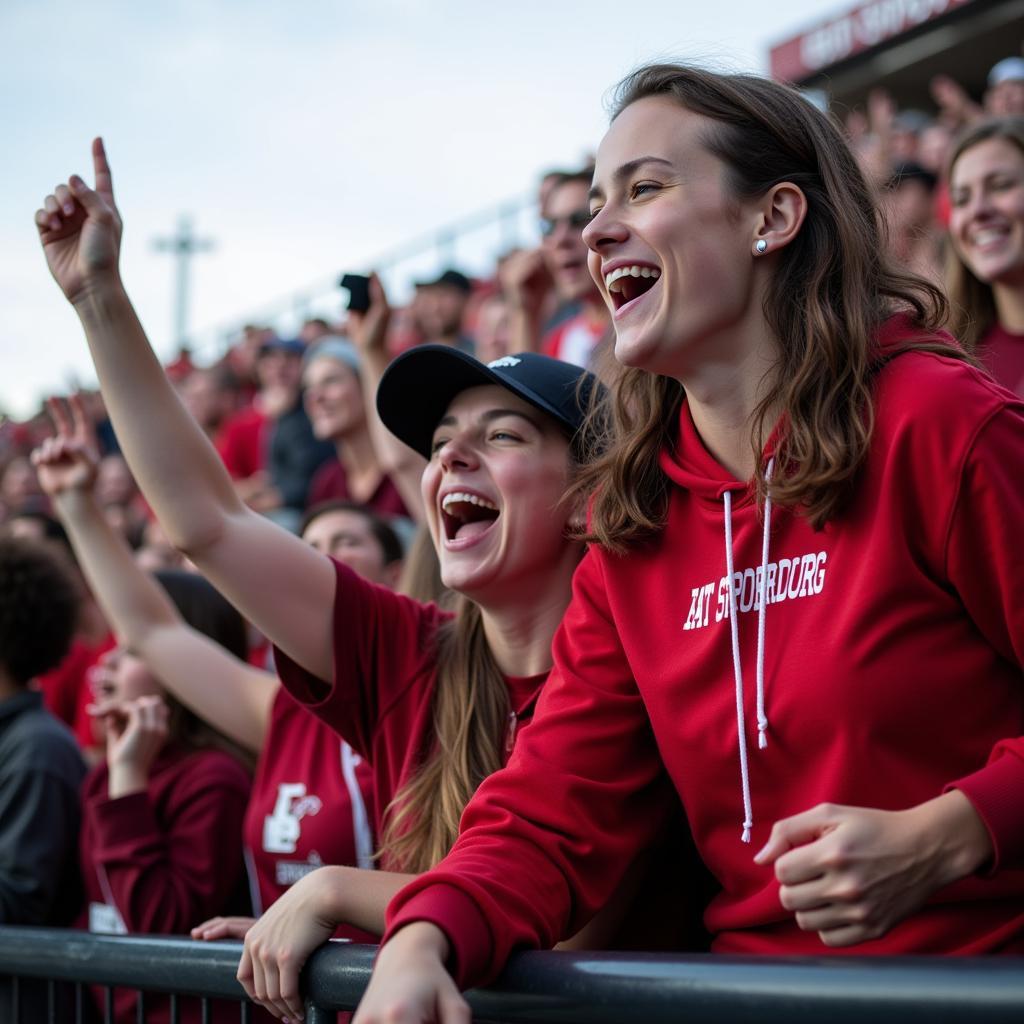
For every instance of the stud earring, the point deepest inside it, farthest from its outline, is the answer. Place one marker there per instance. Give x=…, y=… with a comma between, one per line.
x=761, y=247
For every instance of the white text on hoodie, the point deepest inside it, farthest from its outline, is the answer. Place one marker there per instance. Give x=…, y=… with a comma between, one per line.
x=786, y=580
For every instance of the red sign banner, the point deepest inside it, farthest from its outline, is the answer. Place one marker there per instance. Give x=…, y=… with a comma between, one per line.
x=840, y=37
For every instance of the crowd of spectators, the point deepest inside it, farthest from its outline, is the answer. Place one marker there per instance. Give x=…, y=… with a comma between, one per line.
x=295, y=423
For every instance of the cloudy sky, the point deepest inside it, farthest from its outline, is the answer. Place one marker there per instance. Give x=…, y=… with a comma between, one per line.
x=306, y=138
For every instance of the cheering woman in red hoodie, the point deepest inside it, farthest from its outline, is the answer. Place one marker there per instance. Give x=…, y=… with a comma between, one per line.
x=818, y=626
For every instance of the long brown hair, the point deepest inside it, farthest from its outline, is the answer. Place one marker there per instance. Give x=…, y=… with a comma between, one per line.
x=832, y=290
x=471, y=714
x=972, y=302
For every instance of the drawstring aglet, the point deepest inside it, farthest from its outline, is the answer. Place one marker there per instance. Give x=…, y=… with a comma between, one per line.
x=746, y=831
x=762, y=736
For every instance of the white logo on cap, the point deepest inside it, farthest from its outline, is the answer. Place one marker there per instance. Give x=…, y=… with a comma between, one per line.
x=506, y=362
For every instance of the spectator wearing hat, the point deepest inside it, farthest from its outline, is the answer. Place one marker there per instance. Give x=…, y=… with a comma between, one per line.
x=334, y=402
x=1005, y=94
x=441, y=308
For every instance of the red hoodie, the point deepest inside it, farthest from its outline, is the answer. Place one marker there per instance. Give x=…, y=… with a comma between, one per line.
x=892, y=652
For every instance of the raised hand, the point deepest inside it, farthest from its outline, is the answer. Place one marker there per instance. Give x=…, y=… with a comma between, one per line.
x=80, y=230
x=369, y=330
x=136, y=731
x=69, y=460
x=525, y=280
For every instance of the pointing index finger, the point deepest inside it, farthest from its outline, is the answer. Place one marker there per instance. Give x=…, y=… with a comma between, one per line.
x=104, y=180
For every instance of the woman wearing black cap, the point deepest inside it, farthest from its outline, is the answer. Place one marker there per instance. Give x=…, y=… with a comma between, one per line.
x=435, y=701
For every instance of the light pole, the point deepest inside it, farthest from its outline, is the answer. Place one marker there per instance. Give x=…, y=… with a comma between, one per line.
x=183, y=245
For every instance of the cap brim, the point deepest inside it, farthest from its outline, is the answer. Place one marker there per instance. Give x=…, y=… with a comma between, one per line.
x=420, y=384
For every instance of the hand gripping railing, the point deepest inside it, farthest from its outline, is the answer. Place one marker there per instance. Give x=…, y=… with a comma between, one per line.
x=568, y=988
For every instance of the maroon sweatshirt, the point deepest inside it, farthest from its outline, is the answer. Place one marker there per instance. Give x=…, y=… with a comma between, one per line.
x=892, y=648
x=168, y=858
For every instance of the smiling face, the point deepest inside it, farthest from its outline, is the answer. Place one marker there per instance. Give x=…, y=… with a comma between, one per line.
x=670, y=248
x=987, y=217
x=492, y=490
x=565, y=252
x=333, y=398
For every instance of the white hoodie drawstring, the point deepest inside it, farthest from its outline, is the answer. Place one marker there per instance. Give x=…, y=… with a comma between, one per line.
x=762, y=717
x=737, y=667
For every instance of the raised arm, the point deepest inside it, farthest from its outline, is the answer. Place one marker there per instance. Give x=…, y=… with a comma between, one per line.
x=398, y=461
x=228, y=693
x=177, y=468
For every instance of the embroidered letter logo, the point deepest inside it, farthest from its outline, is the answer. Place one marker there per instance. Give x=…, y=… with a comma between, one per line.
x=504, y=363
x=281, y=829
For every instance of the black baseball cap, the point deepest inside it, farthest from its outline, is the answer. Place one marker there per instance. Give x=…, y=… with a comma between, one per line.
x=419, y=385
x=451, y=278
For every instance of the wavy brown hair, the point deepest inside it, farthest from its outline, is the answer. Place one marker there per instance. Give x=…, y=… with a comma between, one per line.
x=972, y=302
x=832, y=289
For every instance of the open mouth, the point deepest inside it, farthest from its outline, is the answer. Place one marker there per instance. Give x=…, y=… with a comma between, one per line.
x=465, y=515
x=625, y=284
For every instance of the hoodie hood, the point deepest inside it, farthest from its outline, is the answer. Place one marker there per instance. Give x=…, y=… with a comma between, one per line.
x=692, y=466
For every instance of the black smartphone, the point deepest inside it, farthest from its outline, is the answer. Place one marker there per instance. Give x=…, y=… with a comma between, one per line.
x=358, y=288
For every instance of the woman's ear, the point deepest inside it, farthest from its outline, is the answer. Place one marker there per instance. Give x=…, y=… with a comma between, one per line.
x=781, y=213
x=577, y=522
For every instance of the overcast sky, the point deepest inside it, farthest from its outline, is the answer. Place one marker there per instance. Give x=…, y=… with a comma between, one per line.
x=306, y=138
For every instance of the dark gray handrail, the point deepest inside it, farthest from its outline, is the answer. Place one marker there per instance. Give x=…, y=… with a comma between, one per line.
x=573, y=988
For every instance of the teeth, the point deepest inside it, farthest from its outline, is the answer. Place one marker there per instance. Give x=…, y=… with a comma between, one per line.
x=455, y=497
x=633, y=271
x=988, y=235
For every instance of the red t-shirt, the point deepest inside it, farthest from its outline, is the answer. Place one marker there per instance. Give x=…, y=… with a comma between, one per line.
x=1003, y=356
x=385, y=670
x=311, y=804
x=243, y=442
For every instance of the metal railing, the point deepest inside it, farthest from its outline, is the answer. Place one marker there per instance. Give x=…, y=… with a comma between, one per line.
x=564, y=988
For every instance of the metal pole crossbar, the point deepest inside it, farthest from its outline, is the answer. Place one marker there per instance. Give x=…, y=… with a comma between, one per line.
x=569, y=988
